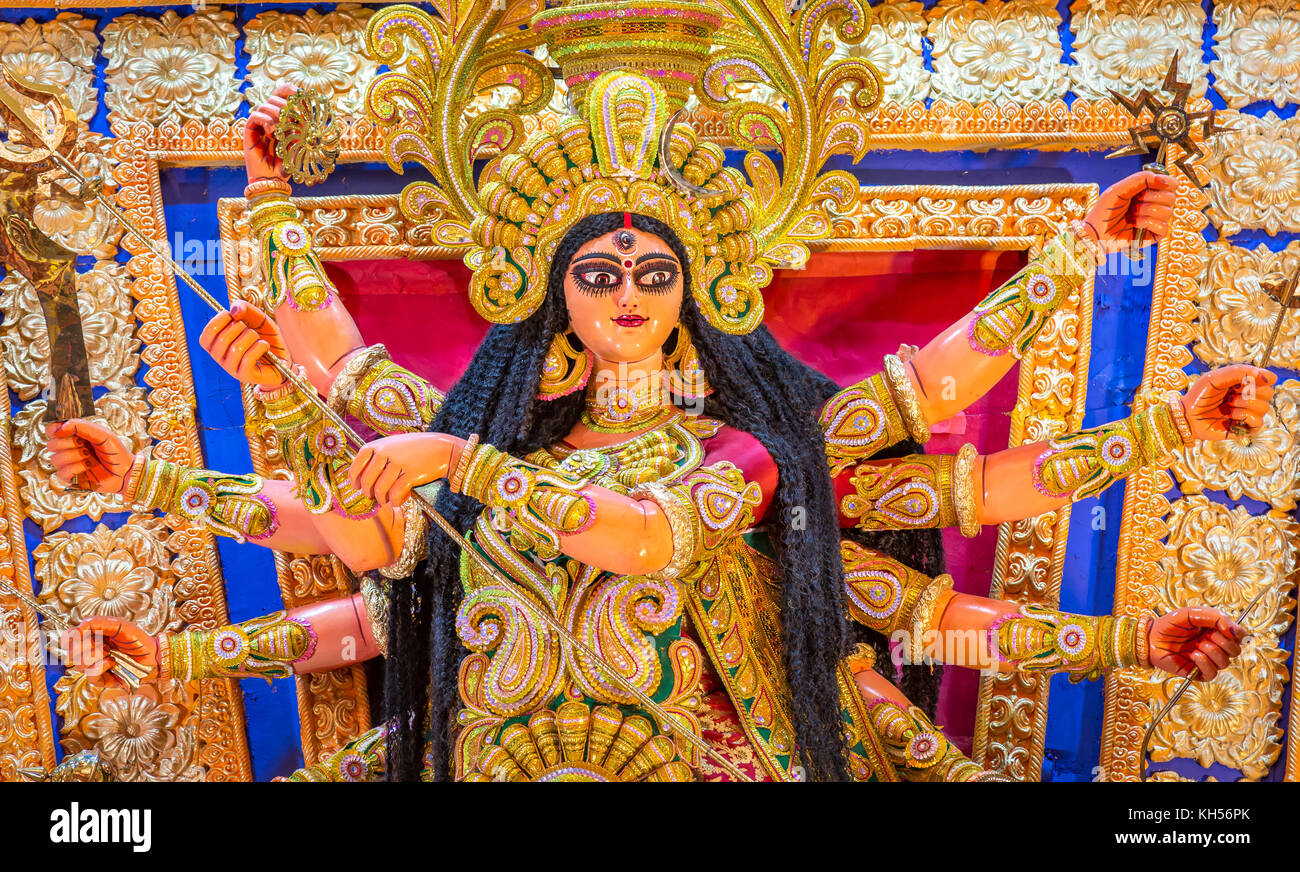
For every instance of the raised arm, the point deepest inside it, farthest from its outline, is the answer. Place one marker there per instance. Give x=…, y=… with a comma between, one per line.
x=964, y=362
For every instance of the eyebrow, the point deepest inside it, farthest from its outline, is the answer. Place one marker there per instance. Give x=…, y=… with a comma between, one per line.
x=599, y=255
x=662, y=255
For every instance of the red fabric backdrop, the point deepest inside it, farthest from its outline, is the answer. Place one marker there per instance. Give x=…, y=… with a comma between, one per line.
x=841, y=314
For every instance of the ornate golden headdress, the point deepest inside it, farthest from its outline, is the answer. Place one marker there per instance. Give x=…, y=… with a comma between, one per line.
x=630, y=68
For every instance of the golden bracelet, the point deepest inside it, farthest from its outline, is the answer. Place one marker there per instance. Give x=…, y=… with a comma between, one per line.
x=963, y=491
x=462, y=463
x=923, y=614
x=261, y=187
x=905, y=399
x=163, y=641
x=345, y=384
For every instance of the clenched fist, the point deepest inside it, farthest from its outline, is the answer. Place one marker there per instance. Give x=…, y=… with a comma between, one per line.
x=239, y=341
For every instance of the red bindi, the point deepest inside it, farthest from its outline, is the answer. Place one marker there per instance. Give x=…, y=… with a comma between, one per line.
x=628, y=263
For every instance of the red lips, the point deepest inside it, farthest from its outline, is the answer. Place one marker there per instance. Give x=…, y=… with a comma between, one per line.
x=630, y=320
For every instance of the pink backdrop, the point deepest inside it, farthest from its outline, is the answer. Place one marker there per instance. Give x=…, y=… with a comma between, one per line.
x=841, y=314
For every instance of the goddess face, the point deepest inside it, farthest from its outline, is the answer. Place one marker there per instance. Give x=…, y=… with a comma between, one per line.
x=624, y=293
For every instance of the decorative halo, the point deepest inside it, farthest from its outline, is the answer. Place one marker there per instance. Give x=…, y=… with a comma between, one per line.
x=307, y=137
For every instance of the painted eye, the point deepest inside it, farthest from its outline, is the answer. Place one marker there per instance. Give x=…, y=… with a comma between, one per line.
x=598, y=278
x=657, y=278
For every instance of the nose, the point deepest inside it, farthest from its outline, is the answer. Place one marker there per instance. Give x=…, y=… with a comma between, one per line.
x=627, y=294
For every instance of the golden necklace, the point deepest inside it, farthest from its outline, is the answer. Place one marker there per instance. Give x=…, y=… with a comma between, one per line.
x=626, y=410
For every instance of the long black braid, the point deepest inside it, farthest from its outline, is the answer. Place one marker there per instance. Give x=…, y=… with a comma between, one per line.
x=760, y=389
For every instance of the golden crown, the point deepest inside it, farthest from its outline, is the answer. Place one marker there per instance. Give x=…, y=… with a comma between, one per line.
x=630, y=68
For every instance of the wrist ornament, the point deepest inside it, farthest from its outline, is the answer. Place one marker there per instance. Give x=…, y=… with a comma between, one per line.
x=1083, y=464
x=1009, y=319
x=919, y=491
x=537, y=504
x=1039, y=639
x=228, y=505
x=266, y=647
x=293, y=273
x=905, y=399
x=918, y=749
x=317, y=452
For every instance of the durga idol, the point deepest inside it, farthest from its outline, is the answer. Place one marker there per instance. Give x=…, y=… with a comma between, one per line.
x=672, y=524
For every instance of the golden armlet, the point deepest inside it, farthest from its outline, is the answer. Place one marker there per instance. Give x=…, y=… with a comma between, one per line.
x=384, y=396
x=229, y=505
x=905, y=399
x=539, y=505
x=317, y=452
x=915, y=492
x=886, y=595
x=1039, y=639
x=859, y=421
x=266, y=647
x=1084, y=464
x=293, y=272
x=362, y=759
x=374, y=593
x=1009, y=318
x=918, y=749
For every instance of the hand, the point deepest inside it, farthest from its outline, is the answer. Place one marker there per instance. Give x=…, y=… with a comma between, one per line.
x=1227, y=397
x=238, y=341
x=1195, y=642
x=389, y=469
x=260, y=159
x=83, y=452
x=88, y=644
x=1144, y=199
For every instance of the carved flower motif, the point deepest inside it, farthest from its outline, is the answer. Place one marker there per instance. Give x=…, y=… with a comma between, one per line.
x=1235, y=316
x=171, y=67
x=1127, y=45
x=1255, y=174
x=111, y=586
x=1257, y=45
x=173, y=73
x=59, y=52
x=132, y=731
x=1223, y=558
x=324, y=52
x=996, y=50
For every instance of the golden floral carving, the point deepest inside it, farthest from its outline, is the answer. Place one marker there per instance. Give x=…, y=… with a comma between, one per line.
x=59, y=52
x=85, y=228
x=171, y=67
x=1222, y=558
x=996, y=50
x=1254, y=174
x=1235, y=316
x=1257, y=48
x=47, y=501
x=103, y=298
x=1264, y=466
x=126, y=573
x=323, y=52
x=1048, y=124
x=893, y=47
x=1126, y=45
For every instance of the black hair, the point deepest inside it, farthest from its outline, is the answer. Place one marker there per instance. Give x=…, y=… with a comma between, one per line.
x=760, y=389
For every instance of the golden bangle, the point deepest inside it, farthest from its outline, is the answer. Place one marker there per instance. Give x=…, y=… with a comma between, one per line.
x=462, y=463
x=261, y=187
x=133, y=475
x=963, y=491
x=905, y=400
x=681, y=524
x=1179, y=414
x=1143, y=641
x=163, y=641
x=413, y=543
x=345, y=384
x=923, y=614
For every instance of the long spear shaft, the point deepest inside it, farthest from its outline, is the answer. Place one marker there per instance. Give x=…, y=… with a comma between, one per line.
x=423, y=496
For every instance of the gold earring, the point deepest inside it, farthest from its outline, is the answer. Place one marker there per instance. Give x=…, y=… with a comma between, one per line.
x=565, y=369
x=685, y=374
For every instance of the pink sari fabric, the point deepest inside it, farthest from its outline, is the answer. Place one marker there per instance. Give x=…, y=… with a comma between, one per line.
x=841, y=314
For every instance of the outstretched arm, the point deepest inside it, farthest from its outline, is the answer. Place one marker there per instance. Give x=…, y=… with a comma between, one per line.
x=242, y=507
x=313, y=638
x=968, y=490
